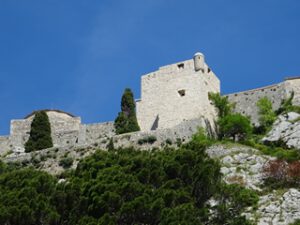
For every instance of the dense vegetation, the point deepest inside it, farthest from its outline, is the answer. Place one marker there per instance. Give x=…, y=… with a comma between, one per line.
x=233, y=126
x=126, y=120
x=40, y=133
x=126, y=186
x=266, y=114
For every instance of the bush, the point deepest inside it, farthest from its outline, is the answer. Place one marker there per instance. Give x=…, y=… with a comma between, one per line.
x=147, y=140
x=232, y=200
x=66, y=162
x=221, y=103
x=40, y=133
x=126, y=120
x=281, y=173
x=235, y=126
x=266, y=114
x=169, y=141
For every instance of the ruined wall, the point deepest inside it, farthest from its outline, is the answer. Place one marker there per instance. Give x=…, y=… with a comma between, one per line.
x=175, y=93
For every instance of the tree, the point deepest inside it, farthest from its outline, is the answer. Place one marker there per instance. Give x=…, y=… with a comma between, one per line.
x=235, y=126
x=40, y=133
x=266, y=114
x=222, y=104
x=126, y=120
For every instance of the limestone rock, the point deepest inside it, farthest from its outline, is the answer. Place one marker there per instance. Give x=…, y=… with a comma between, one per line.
x=277, y=208
x=240, y=164
x=287, y=129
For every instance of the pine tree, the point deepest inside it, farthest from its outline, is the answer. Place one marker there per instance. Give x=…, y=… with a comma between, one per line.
x=40, y=133
x=126, y=120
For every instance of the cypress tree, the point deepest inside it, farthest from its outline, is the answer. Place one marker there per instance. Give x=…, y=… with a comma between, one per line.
x=40, y=133
x=126, y=120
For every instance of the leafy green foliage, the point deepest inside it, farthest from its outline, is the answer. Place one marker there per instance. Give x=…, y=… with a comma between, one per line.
x=230, y=125
x=124, y=186
x=25, y=198
x=235, y=126
x=126, y=120
x=222, y=104
x=266, y=114
x=66, y=162
x=233, y=199
x=40, y=133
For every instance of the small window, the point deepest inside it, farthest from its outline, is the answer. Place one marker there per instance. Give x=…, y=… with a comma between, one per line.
x=208, y=70
x=181, y=93
x=180, y=66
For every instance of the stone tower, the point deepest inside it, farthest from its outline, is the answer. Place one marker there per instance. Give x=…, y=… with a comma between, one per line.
x=176, y=93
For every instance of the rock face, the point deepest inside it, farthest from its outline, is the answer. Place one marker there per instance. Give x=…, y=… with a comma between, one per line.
x=286, y=129
x=244, y=165
x=240, y=164
x=278, y=207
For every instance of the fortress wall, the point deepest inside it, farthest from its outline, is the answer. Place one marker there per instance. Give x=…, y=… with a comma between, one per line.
x=5, y=145
x=64, y=129
x=94, y=132
x=246, y=101
x=19, y=132
x=161, y=102
x=182, y=132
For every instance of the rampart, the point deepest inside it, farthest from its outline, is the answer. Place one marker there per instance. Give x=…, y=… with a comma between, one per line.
x=245, y=101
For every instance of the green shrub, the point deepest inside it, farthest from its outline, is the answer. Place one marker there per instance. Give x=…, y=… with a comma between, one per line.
x=147, y=140
x=126, y=120
x=235, y=126
x=66, y=162
x=232, y=200
x=40, y=133
x=169, y=141
x=266, y=114
x=221, y=103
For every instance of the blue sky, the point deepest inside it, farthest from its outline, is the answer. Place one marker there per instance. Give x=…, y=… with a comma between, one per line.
x=78, y=56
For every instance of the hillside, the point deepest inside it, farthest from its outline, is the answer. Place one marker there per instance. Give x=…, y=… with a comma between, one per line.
x=236, y=174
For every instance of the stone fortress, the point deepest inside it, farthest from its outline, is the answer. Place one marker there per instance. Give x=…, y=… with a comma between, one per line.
x=174, y=103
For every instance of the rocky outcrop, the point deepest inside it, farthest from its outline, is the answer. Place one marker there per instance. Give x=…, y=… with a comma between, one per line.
x=286, y=130
x=281, y=207
x=240, y=164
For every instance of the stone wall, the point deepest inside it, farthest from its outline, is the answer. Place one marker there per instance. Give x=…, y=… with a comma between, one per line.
x=175, y=93
x=169, y=136
x=5, y=145
x=64, y=129
x=97, y=131
x=245, y=102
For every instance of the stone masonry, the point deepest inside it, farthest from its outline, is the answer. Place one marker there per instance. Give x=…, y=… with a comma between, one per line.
x=176, y=93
